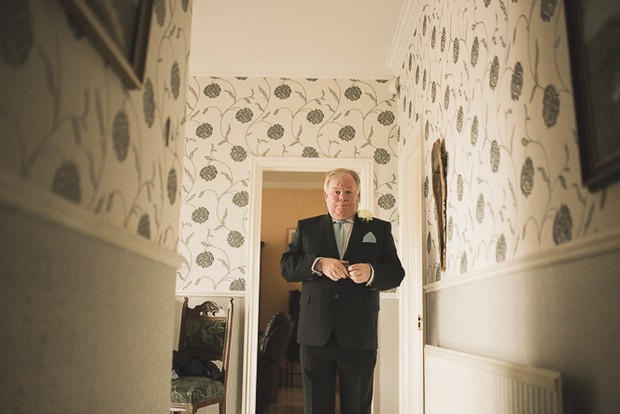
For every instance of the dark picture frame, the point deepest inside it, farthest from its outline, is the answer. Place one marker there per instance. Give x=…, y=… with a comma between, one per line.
x=120, y=30
x=594, y=43
x=290, y=235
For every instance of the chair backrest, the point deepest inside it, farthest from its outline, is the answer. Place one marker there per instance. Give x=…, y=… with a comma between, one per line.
x=206, y=332
x=275, y=340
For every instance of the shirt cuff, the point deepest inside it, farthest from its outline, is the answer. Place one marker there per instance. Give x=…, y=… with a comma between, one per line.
x=372, y=275
x=314, y=271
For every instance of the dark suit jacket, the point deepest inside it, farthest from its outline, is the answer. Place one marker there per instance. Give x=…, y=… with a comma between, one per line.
x=348, y=309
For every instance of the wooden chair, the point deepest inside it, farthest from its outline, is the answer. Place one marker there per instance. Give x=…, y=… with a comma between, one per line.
x=205, y=333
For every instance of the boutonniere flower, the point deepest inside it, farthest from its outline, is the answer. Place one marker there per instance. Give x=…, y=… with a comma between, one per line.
x=364, y=215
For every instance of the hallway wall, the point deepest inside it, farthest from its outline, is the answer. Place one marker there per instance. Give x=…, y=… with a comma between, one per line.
x=73, y=129
x=90, y=178
x=232, y=120
x=531, y=252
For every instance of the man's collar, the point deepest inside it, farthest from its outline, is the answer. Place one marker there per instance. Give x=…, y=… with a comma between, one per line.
x=350, y=220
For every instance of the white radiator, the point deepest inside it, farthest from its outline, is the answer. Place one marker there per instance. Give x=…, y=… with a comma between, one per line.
x=459, y=383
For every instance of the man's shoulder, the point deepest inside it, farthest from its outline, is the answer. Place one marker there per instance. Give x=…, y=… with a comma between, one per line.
x=377, y=223
x=313, y=220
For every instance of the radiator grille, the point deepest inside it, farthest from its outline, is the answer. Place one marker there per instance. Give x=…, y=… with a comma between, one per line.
x=459, y=383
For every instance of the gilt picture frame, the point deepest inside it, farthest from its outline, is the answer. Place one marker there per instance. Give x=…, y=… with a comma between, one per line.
x=594, y=43
x=119, y=30
x=438, y=165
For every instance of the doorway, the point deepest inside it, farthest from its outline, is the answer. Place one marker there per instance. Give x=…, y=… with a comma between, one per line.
x=287, y=197
x=259, y=167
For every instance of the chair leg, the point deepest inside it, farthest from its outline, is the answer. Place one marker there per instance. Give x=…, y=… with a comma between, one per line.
x=222, y=408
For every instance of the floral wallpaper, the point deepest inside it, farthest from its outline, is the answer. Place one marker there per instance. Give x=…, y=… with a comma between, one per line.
x=70, y=126
x=231, y=120
x=491, y=78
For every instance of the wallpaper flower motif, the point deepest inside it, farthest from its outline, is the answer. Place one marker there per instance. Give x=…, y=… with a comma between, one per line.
x=514, y=184
x=113, y=152
x=232, y=120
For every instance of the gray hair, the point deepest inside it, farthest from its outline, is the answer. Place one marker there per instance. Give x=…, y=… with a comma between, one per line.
x=338, y=174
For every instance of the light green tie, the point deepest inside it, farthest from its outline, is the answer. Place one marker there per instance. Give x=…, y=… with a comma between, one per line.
x=339, y=232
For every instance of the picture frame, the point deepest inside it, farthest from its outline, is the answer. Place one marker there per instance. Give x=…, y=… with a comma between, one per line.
x=290, y=234
x=120, y=30
x=594, y=47
x=438, y=170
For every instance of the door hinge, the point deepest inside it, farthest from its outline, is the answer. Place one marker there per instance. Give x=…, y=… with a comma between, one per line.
x=419, y=322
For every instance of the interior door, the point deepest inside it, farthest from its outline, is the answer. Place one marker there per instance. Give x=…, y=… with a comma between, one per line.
x=412, y=293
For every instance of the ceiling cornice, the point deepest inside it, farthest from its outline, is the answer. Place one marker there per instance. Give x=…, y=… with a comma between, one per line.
x=402, y=35
x=277, y=70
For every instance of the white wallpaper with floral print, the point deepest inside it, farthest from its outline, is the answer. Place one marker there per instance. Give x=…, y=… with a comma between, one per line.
x=70, y=126
x=231, y=120
x=492, y=78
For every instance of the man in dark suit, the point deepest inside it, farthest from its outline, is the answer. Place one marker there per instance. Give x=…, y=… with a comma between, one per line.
x=339, y=303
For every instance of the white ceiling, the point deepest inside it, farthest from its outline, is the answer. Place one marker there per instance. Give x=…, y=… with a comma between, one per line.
x=336, y=39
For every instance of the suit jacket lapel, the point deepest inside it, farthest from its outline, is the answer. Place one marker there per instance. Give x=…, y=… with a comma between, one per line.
x=327, y=229
x=356, y=237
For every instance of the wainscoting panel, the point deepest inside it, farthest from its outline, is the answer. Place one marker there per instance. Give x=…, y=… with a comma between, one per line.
x=86, y=310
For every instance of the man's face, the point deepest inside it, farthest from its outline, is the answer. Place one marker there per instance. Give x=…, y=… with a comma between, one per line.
x=342, y=198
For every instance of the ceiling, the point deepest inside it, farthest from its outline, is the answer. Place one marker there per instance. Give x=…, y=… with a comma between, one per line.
x=342, y=39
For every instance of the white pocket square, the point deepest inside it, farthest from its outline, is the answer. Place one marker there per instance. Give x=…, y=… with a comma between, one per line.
x=369, y=238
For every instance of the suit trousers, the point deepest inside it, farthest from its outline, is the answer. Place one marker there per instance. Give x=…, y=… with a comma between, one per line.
x=355, y=369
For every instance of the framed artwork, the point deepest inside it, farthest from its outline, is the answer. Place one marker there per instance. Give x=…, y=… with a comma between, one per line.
x=119, y=29
x=594, y=42
x=438, y=163
x=290, y=233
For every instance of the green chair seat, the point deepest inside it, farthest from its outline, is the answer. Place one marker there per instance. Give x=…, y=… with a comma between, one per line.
x=192, y=390
x=205, y=334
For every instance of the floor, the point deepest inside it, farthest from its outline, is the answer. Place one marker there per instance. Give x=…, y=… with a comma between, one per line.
x=290, y=395
x=290, y=401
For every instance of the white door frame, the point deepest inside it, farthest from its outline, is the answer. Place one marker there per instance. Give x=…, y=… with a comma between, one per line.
x=364, y=167
x=411, y=290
